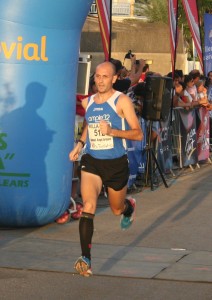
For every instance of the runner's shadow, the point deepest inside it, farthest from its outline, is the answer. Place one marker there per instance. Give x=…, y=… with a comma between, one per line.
x=27, y=139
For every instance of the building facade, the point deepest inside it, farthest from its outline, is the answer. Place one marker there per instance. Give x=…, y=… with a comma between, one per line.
x=120, y=8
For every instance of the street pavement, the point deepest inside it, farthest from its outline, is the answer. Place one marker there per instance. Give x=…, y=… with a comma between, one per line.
x=166, y=254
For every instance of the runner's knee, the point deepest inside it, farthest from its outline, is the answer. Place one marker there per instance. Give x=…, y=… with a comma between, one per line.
x=89, y=206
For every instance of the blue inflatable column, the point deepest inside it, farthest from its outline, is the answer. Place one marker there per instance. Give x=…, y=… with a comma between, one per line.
x=39, y=50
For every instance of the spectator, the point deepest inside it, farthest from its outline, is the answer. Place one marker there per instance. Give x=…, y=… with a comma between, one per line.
x=176, y=86
x=123, y=84
x=209, y=94
x=195, y=74
x=176, y=77
x=143, y=75
x=181, y=97
x=137, y=96
x=188, y=95
x=209, y=86
x=202, y=94
x=180, y=74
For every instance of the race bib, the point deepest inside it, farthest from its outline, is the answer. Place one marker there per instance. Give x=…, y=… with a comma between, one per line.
x=99, y=141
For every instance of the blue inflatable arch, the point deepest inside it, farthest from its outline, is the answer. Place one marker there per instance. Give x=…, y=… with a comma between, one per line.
x=39, y=49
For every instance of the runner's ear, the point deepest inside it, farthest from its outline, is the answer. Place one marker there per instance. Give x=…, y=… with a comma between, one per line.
x=114, y=78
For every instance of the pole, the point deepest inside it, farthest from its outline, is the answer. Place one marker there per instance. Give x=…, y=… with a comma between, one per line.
x=110, y=32
x=174, y=64
x=175, y=41
x=201, y=36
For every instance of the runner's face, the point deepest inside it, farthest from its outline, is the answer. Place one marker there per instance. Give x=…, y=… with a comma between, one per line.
x=104, y=78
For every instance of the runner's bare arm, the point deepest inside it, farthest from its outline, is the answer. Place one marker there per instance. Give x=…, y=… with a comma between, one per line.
x=74, y=154
x=84, y=103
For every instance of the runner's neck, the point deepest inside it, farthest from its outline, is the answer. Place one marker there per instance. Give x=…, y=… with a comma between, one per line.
x=103, y=97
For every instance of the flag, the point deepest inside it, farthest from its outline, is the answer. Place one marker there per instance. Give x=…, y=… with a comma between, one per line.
x=172, y=10
x=190, y=7
x=104, y=16
x=208, y=43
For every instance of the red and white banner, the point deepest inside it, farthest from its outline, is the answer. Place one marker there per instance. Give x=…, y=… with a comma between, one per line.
x=190, y=7
x=104, y=15
x=203, y=134
x=172, y=9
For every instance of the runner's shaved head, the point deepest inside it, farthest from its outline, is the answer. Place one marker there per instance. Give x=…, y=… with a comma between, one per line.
x=107, y=65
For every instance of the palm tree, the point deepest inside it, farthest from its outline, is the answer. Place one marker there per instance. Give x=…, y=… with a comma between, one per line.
x=157, y=11
x=139, y=7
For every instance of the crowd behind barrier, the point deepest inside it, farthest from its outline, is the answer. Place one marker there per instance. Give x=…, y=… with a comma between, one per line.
x=186, y=141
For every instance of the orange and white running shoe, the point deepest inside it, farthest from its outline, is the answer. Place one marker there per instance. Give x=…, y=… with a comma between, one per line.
x=83, y=266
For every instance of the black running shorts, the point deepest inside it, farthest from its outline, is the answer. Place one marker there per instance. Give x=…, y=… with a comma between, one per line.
x=113, y=172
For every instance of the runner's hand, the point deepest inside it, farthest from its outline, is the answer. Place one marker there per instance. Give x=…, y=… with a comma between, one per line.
x=104, y=127
x=74, y=154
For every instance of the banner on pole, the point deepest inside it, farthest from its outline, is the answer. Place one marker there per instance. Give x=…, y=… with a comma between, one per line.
x=104, y=16
x=172, y=10
x=208, y=43
x=190, y=7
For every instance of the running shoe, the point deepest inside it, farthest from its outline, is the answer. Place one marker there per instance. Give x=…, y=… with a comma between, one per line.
x=83, y=266
x=126, y=221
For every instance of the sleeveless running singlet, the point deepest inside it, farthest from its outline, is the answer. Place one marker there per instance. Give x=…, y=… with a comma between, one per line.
x=104, y=146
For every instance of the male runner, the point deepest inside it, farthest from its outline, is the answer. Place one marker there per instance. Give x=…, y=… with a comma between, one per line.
x=110, y=119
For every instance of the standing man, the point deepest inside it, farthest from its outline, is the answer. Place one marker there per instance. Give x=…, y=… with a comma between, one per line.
x=110, y=119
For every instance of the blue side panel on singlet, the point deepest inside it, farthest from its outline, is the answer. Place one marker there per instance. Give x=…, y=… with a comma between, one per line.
x=105, y=111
